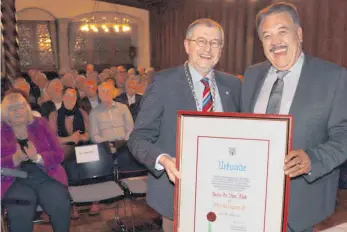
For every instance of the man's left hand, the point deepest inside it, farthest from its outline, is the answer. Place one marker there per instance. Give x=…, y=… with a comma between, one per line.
x=297, y=163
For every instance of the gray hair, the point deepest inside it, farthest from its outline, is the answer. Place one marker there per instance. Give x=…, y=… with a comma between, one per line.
x=280, y=7
x=19, y=81
x=205, y=22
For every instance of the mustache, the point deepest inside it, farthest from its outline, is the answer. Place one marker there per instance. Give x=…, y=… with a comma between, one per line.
x=277, y=47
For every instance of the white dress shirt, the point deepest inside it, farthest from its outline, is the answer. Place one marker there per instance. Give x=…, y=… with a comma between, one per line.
x=199, y=90
x=290, y=83
x=131, y=100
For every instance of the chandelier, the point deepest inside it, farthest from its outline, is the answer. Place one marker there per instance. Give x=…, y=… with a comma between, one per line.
x=118, y=25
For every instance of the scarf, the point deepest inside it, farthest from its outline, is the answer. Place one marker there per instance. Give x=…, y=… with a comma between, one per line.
x=78, y=122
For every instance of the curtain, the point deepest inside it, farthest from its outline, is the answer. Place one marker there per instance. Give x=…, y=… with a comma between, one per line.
x=324, y=28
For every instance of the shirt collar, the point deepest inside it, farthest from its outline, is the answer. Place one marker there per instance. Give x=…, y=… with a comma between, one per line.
x=114, y=104
x=196, y=76
x=297, y=66
x=131, y=98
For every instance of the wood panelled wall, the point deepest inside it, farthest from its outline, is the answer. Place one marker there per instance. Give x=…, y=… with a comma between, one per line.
x=324, y=24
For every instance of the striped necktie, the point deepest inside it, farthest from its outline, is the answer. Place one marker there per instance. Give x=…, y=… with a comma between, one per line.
x=207, y=101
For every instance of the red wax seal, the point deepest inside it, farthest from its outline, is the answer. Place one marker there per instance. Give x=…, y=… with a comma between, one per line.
x=211, y=216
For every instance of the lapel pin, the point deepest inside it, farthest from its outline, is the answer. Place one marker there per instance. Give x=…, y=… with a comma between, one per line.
x=227, y=92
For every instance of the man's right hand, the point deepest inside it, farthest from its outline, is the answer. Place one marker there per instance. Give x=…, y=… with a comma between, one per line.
x=169, y=163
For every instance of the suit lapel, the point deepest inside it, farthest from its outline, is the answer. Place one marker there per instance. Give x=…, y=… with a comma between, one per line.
x=259, y=84
x=224, y=93
x=301, y=89
x=187, y=94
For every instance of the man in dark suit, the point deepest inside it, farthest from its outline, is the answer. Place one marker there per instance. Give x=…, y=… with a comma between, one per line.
x=130, y=98
x=315, y=93
x=192, y=86
x=91, y=100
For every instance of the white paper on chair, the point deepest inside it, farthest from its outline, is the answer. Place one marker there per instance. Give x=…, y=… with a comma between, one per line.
x=88, y=153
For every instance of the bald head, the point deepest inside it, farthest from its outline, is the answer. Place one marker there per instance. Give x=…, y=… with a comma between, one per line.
x=22, y=84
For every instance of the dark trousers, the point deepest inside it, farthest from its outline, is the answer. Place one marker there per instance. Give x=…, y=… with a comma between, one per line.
x=23, y=196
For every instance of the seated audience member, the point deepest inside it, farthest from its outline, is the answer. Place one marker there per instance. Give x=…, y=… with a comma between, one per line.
x=70, y=123
x=116, y=91
x=89, y=69
x=22, y=84
x=55, y=93
x=93, y=76
x=108, y=71
x=34, y=89
x=68, y=80
x=91, y=100
x=102, y=77
x=110, y=121
x=142, y=81
x=121, y=77
x=80, y=85
x=132, y=75
x=130, y=98
x=41, y=81
x=28, y=144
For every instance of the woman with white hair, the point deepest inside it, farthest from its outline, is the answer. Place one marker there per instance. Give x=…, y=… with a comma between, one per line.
x=28, y=144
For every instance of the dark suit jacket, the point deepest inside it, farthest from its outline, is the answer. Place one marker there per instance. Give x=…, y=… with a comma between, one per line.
x=135, y=107
x=47, y=108
x=155, y=127
x=319, y=109
x=85, y=105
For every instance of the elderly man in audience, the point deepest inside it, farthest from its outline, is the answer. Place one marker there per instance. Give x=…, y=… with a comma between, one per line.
x=103, y=76
x=91, y=100
x=23, y=85
x=28, y=144
x=110, y=121
x=55, y=93
x=70, y=124
x=40, y=80
x=89, y=69
x=132, y=74
x=130, y=98
x=92, y=76
x=34, y=89
x=121, y=77
x=68, y=80
x=80, y=85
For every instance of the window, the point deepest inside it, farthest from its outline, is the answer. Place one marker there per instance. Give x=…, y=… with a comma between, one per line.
x=35, y=45
x=100, y=49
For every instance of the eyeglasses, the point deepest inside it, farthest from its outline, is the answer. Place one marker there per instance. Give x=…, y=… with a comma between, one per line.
x=201, y=42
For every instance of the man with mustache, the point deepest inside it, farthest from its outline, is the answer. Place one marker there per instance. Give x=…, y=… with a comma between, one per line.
x=315, y=93
x=196, y=85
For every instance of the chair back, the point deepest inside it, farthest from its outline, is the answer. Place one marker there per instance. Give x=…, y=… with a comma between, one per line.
x=96, y=171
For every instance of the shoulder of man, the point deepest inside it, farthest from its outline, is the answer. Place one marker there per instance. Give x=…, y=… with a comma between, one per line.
x=167, y=73
x=322, y=66
x=226, y=76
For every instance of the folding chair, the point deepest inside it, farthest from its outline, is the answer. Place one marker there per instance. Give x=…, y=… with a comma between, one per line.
x=132, y=177
x=98, y=182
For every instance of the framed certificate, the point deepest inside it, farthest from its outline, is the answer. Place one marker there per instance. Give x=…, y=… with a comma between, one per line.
x=232, y=172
